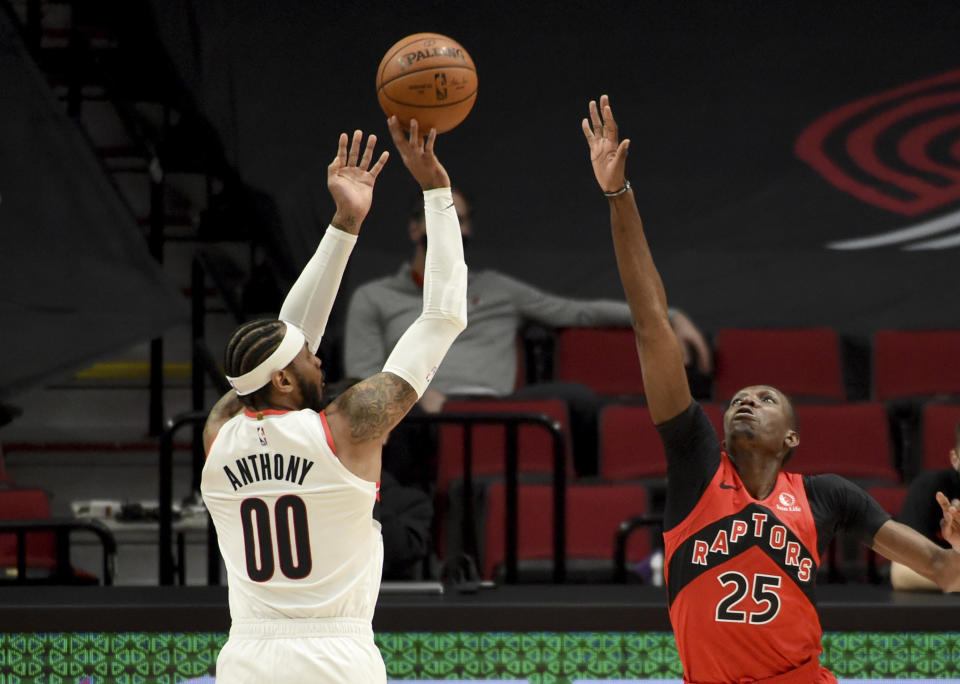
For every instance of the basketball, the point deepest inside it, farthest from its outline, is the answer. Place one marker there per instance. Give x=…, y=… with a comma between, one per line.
x=430, y=78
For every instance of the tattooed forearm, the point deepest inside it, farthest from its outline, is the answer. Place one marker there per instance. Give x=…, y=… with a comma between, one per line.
x=373, y=407
x=226, y=408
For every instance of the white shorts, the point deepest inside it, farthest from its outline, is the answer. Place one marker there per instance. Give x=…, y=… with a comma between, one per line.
x=334, y=651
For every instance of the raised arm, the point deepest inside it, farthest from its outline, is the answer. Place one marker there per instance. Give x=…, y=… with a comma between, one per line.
x=904, y=545
x=350, y=180
x=661, y=358
x=363, y=415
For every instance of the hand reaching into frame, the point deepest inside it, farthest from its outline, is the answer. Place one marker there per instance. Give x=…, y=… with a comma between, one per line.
x=351, y=182
x=418, y=155
x=608, y=153
x=950, y=525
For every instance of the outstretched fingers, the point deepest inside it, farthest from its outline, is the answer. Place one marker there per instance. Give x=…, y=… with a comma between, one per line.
x=416, y=142
x=595, y=118
x=378, y=167
x=368, y=152
x=396, y=132
x=341, y=158
x=587, y=131
x=431, y=139
x=355, y=148
x=609, y=123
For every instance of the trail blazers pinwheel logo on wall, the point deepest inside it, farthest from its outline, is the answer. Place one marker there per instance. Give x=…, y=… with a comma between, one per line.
x=898, y=150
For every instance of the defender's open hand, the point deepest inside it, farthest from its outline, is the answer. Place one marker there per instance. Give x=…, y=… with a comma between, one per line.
x=608, y=153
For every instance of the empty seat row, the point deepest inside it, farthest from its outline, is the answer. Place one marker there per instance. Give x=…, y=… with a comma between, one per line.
x=594, y=514
x=850, y=439
x=853, y=439
x=805, y=363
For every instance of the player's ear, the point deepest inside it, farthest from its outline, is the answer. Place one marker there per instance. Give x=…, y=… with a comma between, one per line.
x=282, y=381
x=954, y=459
x=792, y=439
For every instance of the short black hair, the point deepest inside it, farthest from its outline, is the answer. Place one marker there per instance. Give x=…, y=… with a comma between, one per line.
x=249, y=346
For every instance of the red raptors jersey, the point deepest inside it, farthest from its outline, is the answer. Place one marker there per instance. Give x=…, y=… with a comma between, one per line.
x=740, y=577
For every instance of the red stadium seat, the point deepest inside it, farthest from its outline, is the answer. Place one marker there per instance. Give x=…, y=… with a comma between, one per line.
x=27, y=504
x=939, y=422
x=890, y=497
x=891, y=500
x=603, y=359
x=852, y=440
x=534, y=443
x=915, y=363
x=802, y=363
x=594, y=513
x=630, y=446
x=41, y=547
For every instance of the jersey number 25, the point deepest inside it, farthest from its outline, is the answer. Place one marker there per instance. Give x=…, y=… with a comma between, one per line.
x=762, y=596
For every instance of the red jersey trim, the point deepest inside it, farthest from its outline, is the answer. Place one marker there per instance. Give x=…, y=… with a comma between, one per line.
x=329, y=436
x=250, y=413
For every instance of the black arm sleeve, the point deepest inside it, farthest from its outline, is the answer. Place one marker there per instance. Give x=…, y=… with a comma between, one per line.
x=838, y=504
x=693, y=456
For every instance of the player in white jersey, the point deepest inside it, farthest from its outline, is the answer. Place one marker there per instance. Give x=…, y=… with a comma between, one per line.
x=291, y=488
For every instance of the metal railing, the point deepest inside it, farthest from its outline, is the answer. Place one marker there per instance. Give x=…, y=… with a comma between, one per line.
x=627, y=528
x=511, y=423
x=167, y=566
x=62, y=529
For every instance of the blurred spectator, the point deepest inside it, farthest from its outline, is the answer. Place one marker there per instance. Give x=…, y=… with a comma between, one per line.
x=922, y=512
x=483, y=360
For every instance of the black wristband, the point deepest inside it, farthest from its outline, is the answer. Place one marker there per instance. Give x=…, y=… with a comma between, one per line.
x=617, y=193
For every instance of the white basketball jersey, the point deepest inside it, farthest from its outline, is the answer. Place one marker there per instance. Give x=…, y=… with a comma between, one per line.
x=295, y=527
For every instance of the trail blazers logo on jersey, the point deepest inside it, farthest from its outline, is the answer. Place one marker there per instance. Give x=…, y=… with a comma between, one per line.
x=754, y=526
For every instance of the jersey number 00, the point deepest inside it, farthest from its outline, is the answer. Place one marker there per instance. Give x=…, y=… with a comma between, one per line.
x=290, y=522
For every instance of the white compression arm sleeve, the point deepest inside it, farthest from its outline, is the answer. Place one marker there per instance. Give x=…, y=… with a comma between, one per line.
x=421, y=348
x=310, y=300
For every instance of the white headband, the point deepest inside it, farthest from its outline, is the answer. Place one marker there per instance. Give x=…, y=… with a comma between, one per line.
x=281, y=357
